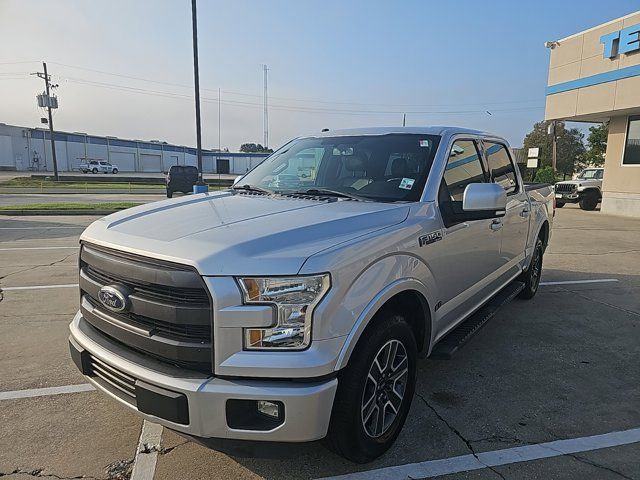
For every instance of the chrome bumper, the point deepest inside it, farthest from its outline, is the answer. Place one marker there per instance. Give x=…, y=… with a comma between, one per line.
x=307, y=405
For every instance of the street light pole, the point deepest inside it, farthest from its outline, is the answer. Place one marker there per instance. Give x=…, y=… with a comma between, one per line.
x=200, y=186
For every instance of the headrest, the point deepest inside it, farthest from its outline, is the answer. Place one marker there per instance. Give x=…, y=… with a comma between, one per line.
x=355, y=162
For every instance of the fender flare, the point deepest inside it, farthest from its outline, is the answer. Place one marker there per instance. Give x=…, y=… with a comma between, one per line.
x=365, y=317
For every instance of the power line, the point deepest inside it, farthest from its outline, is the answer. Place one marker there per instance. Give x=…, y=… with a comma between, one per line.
x=309, y=100
x=292, y=108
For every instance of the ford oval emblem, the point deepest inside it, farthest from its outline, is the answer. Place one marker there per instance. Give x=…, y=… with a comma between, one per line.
x=113, y=298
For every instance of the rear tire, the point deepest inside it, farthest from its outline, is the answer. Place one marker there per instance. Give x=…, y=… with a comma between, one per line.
x=114, y=171
x=559, y=204
x=373, y=400
x=94, y=171
x=531, y=277
x=589, y=201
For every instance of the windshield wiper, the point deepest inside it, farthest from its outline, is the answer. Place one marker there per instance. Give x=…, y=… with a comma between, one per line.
x=328, y=193
x=252, y=188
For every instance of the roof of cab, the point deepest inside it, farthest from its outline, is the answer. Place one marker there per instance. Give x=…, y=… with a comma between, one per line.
x=435, y=130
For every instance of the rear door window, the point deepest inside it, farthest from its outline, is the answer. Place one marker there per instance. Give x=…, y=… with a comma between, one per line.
x=501, y=170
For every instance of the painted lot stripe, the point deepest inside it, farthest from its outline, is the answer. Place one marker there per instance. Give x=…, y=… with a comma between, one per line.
x=144, y=465
x=496, y=458
x=577, y=282
x=36, y=248
x=39, y=287
x=44, y=392
x=41, y=228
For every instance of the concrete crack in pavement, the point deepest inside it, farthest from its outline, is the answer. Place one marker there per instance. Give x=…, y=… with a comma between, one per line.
x=33, y=267
x=458, y=434
x=600, y=302
x=37, y=472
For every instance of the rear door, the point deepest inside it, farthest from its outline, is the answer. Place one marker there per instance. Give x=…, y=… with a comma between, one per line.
x=515, y=224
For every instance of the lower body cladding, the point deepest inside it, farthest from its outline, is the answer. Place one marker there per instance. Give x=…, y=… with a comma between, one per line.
x=198, y=405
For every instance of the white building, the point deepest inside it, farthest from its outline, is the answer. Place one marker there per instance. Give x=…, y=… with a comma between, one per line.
x=29, y=149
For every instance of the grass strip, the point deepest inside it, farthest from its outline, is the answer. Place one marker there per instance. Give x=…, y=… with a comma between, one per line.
x=71, y=206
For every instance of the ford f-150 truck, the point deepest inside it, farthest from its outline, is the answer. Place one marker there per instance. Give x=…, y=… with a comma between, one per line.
x=295, y=311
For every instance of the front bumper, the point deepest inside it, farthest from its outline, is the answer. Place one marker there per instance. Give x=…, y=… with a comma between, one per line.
x=568, y=197
x=194, y=403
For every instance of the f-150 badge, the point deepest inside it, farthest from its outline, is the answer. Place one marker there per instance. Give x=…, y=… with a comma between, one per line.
x=430, y=238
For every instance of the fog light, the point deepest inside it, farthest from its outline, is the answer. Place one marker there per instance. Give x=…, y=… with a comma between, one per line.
x=270, y=409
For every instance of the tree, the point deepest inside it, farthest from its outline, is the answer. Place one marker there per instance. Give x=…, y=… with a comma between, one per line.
x=254, y=148
x=570, y=146
x=545, y=175
x=596, y=145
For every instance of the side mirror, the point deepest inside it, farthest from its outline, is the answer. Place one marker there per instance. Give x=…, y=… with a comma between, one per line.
x=237, y=179
x=488, y=200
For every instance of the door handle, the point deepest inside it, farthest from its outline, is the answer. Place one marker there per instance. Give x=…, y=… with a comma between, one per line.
x=524, y=212
x=496, y=225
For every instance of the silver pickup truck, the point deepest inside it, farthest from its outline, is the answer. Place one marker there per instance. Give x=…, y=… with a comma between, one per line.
x=295, y=311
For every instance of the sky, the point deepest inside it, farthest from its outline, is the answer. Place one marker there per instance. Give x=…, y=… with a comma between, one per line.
x=125, y=68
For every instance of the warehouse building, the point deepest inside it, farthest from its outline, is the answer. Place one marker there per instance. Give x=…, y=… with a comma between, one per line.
x=594, y=76
x=29, y=149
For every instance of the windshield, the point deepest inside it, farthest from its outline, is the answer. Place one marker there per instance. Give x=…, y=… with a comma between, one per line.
x=386, y=168
x=588, y=174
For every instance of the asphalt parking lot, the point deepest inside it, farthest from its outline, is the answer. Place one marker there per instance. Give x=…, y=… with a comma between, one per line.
x=563, y=366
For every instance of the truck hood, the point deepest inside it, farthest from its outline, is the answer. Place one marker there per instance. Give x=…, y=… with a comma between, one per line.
x=230, y=233
x=579, y=182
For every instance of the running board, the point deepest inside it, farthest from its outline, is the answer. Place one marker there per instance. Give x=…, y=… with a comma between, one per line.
x=459, y=336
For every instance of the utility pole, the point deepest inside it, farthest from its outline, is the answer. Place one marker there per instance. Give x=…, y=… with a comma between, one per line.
x=200, y=186
x=219, y=122
x=404, y=119
x=554, y=158
x=266, y=109
x=49, y=103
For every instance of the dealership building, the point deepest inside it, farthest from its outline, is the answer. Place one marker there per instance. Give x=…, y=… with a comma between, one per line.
x=29, y=149
x=594, y=76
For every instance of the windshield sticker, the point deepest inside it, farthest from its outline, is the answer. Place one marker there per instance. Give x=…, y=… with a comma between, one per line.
x=424, y=143
x=406, y=183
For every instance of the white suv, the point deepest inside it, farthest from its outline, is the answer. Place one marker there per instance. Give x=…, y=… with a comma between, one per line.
x=586, y=189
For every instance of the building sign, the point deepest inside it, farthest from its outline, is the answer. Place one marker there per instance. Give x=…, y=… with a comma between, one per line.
x=626, y=40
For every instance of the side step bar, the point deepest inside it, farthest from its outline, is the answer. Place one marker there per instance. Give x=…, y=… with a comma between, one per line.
x=459, y=336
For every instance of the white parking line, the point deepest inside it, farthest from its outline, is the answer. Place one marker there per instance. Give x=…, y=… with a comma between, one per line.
x=39, y=287
x=43, y=392
x=35, y=248
x=572, y=282
x=144, y=465
x=41, y=228
x=496, y=458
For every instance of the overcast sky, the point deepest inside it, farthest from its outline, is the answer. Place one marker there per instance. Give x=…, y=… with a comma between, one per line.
x=333, y=64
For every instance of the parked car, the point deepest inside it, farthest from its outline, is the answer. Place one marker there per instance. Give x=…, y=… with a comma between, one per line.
x=585, y=190
x=296, y=315
x=98, y=166
x=181, y=178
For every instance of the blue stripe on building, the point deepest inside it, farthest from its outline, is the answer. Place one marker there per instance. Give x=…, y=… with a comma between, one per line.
x=606, y=77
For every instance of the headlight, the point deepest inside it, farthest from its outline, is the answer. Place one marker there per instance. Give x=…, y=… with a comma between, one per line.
x=294, y=299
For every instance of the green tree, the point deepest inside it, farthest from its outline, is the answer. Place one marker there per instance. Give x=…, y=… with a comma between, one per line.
x=545, y=175
x=596, y=145
x=570, y=146
x=254, y=148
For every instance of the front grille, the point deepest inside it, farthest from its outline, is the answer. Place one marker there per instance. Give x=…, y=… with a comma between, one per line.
x=566, y=188
x=168, y=315
x=115, y=381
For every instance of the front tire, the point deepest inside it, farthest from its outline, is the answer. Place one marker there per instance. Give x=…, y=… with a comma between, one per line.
x=559, y=204
x=531, y=277
x=589, y=201
x=374, y=391
x=114, y=171
x=94, y=171
x=169, y=193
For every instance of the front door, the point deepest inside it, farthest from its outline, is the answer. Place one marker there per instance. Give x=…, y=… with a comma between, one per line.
x=466, y=260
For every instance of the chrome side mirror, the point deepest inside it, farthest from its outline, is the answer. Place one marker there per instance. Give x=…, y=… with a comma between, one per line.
x=484, y=197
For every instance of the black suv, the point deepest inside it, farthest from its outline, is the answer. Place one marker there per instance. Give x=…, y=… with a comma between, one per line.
x=181, y=178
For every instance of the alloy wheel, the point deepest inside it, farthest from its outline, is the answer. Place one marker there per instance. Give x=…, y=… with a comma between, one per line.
x=384, y=388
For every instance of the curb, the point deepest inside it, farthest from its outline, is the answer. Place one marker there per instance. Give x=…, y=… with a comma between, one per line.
x=30, y=212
